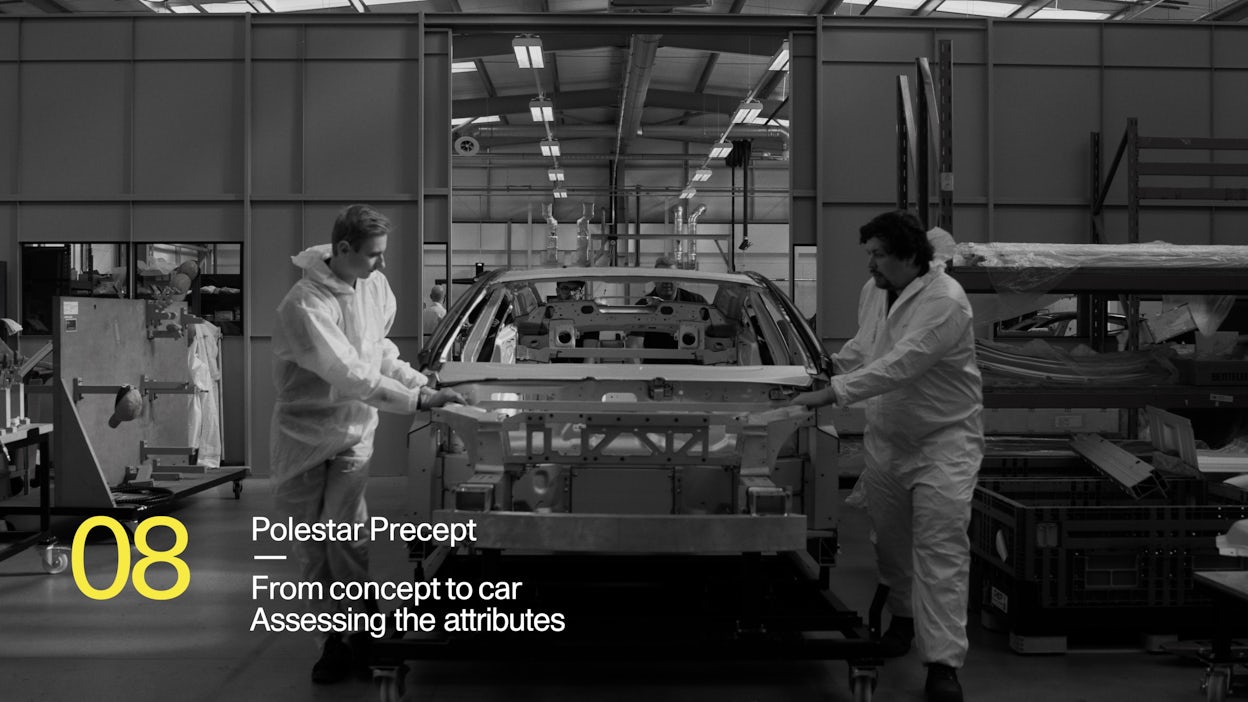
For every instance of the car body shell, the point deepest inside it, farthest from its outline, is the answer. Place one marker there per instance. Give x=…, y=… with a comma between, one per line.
x=616, y=422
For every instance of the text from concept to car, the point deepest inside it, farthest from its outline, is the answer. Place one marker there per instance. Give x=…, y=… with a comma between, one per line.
x=462, y=606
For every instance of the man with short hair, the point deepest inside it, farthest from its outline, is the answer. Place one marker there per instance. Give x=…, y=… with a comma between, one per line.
x=333, y=368
x=913, y=362
x=434, y=310
x=667, y=289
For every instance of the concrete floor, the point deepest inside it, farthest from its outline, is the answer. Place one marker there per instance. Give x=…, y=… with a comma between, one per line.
x=56, y=644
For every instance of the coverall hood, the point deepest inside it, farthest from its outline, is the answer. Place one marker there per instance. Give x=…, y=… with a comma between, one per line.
x=333, y=367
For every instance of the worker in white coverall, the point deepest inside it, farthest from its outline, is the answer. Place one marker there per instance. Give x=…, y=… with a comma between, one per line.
x=334, y=368
x=913, y=362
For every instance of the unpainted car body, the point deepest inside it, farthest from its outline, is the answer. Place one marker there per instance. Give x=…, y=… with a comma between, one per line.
x=607, y=420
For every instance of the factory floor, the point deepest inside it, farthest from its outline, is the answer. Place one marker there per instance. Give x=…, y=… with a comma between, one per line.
x=56, y=644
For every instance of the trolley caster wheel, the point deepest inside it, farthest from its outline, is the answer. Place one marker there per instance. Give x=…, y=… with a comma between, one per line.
x=386, y=680
x=238, y=489
x=55, y=559
x=862, y=682
x=1217, y=684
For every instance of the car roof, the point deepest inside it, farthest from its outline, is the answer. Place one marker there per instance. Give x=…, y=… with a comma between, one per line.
x=622, y=273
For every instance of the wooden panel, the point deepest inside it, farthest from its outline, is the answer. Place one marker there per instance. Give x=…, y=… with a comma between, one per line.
x=8, y=40
x=278, y=41
x=360, y=137
x=188, y=128
x=262, y=398
x=9, y=132
x=1065, y=225
x=345, y=41
x=53, y=222
x=92, y=38
x=844, y=42
x=1230, y=47
x=277, y=128
x=74, y=123
x=1137, y=45
x=1046, y=43
x=184, y=37
x=195, y=222
x=276, y=231
x=859, y=135
x=1230, y=101
x=1043, y=117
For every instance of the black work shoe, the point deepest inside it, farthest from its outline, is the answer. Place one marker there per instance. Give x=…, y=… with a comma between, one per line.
x=896, y=641
x=361, y=645
x=942, y=684
x=335, y=663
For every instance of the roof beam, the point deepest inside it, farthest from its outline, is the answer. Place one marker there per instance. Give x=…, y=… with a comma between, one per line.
x=52, y=7
x=1030, y=8
x=829, y=7
x=605, y=97
x=927, y=8
x=1233, y=12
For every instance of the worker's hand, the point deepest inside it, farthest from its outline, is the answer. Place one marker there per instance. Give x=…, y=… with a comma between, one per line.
x=815, y=398
x=445, y=396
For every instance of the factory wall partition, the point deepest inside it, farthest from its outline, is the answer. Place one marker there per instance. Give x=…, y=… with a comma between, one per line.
x=256, y=130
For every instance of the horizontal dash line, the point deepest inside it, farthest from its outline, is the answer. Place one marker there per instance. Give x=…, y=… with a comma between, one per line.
x=269, y=558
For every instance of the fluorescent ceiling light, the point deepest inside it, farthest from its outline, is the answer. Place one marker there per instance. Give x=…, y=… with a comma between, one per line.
x=721, y=149
x=555, y=174
x=702, y=174
x=979, y=8
x=221, y=8
x=542, y=110
x=463, y=66
x=896, y=4
x=687, y=193
x=560, y=192
x=550, y=147
x=528, y=52
x=747, y=111
x=485, y=119
x=1054, y=13
x=300, y=5
x=781, y=61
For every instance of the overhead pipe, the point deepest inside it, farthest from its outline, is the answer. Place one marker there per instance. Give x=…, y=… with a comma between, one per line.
x=552, y=235
x=641, y=53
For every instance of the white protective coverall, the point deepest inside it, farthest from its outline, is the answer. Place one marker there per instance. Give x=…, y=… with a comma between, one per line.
x=914, y=364
x=334, y=368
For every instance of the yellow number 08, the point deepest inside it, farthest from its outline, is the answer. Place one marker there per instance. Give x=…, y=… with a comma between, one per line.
x=123, y=558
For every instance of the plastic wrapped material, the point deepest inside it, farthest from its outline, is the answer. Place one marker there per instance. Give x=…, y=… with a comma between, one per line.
x=1040, y=267
x=1039, y=363
x=1151, y=255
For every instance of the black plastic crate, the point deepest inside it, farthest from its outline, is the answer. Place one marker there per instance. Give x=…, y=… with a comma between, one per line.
x=1084, y=544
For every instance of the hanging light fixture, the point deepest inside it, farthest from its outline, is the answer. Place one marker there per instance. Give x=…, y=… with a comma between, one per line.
x=701, y=175
x=687, y=193
x=555, y=174
x=561, y=193
x=542, y=109
x=748, y=110
x=721, y=149
x=550, y=147
x=528, y=51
